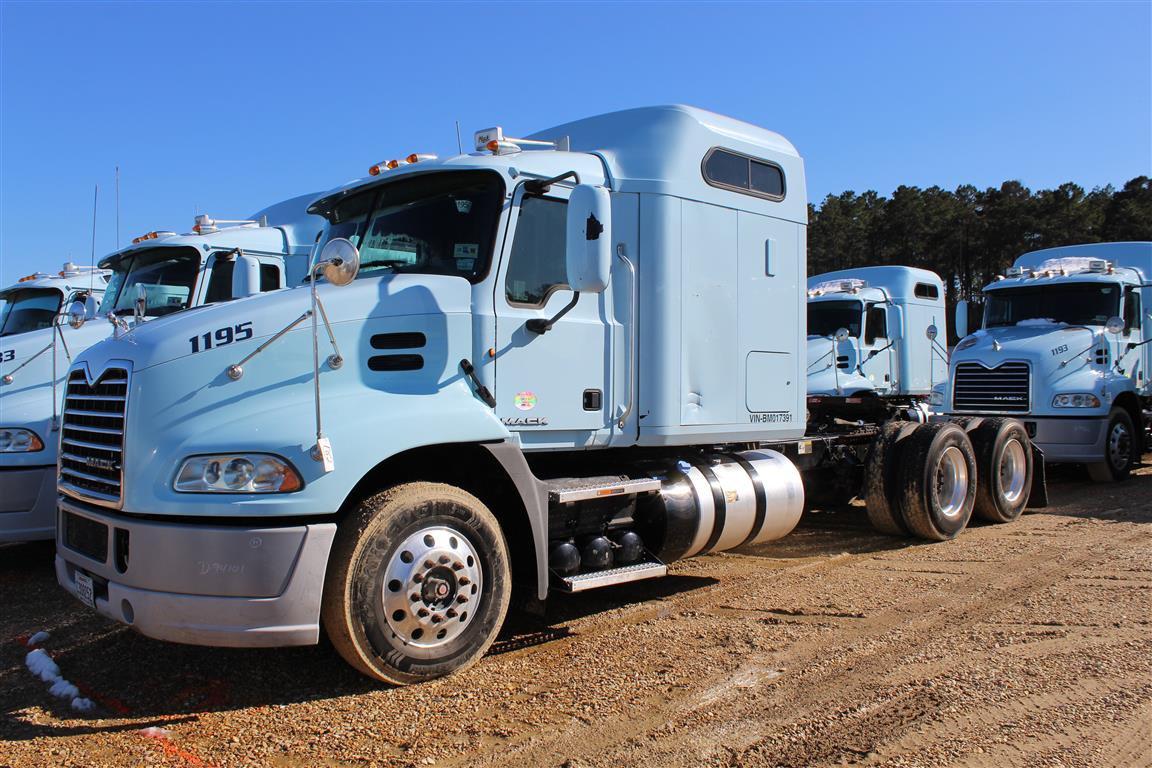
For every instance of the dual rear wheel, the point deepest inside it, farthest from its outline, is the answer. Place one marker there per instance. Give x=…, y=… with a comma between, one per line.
x=927, y=480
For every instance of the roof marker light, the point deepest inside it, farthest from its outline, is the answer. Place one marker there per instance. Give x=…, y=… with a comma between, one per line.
x=152, y=236
x=417, y=157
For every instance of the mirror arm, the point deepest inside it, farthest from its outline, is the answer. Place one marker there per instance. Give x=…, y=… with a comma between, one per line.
x=541, y=326
x=540, y=186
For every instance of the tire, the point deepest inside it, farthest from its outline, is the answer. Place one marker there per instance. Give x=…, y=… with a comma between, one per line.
x=1003, y=469
x=418, y=583
x=1120, y=441
x=880, y=479
x=937, y=481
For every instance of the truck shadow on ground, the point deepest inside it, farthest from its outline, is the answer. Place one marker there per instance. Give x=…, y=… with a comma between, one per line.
x=148, y=682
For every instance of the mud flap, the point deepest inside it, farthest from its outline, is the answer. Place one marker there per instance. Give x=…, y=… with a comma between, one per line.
x=1038, y=498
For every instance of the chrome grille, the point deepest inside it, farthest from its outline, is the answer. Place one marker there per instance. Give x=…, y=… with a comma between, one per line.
x=1003, y=389
x=92, y=436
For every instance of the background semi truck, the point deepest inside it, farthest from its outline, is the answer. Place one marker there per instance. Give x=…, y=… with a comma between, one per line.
x=1065, y=348
x=159, y=274
x=892, y=316
x=35, y=301
x=558, y=362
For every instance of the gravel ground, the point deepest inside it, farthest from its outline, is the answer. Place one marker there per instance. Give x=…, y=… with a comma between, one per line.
x=1017, y=645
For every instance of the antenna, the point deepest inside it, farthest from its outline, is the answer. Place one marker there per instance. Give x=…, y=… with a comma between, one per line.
x=459, y=144
x=117, y=207
x=92, y=258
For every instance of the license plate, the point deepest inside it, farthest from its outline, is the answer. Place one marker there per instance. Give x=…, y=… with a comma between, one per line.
x=84, y=589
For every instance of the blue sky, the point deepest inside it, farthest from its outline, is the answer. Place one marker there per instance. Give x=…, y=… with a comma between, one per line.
x=224, y=108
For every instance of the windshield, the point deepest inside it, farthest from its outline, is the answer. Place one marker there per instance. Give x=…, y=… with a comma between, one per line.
x=436, y=224
x=167, y=276
x=29, y=309
x=1071, y=303
x=826, y=317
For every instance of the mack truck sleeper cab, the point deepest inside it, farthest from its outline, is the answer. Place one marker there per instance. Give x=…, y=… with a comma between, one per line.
x=1065, y=348
x=560, y=362
x=159, y=274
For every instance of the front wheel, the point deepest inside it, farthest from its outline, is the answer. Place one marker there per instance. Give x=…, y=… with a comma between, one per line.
x=1119, y=449
x=418, y=583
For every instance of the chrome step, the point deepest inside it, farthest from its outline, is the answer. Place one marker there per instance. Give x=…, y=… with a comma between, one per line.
x=621, y=488
x=606, y=578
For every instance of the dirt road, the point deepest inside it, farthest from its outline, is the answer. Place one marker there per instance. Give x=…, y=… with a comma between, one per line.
x=1026, y=644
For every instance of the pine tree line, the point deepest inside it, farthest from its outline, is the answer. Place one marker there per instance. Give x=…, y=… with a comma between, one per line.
x=968, y=236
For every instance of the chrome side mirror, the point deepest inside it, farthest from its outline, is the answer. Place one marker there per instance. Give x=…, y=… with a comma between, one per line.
x=141, y=304
x=1115, y=325
x=77, y=314
x=842, y=335
x=339, y=261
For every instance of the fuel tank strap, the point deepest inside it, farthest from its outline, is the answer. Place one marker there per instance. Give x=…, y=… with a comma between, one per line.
x=718, y=501
x=761, y=497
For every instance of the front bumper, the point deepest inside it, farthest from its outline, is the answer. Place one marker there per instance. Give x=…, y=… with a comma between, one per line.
x=27, y=503
x=1069, y=440
x=221, y=585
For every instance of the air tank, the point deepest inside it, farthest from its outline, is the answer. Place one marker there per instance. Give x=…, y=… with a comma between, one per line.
x=721, y=502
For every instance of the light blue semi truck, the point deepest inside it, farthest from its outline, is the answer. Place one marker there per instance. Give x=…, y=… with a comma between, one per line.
x=873, y=330
x=1065, y=348
x=558, y=362
x=159, y=274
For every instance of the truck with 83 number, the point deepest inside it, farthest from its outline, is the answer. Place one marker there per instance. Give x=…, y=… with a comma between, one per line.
x=558, y=363
x=158, y=275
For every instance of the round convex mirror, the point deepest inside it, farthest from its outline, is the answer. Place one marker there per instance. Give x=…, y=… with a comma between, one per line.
x=77, y=314
x=1115, y=325
x=931, y=332
x=340, y=261
x=841, y=334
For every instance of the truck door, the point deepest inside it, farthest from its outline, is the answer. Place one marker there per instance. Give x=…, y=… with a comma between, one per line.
x=876, y=353
x=553, y=387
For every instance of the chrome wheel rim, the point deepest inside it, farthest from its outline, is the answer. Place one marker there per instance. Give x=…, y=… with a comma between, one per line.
x=1119, y=445
x=432, y=585
x=1013, y=469
x=952, y=482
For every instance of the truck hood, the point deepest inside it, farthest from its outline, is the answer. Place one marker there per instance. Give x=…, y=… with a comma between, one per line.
x=824, y=378
x=27, y=357
x=183, y=334
x=1043, y=345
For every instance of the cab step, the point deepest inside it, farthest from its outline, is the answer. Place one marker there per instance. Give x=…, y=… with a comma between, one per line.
x=603, y=490
x=651, y=569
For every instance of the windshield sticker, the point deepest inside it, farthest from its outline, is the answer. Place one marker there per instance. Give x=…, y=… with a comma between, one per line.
x=525, y=401
x=465, y=255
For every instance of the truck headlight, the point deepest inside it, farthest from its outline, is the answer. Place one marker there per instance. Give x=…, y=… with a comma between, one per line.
x=1076, y=400
x=14, y=440
x=936, y=398
x=237, y=473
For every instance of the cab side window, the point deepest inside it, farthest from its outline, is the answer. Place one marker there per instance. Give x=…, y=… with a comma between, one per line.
x=269, y=277
x=220, y=284
x=537, y=265
x=876, y=326
x=1131, y=310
